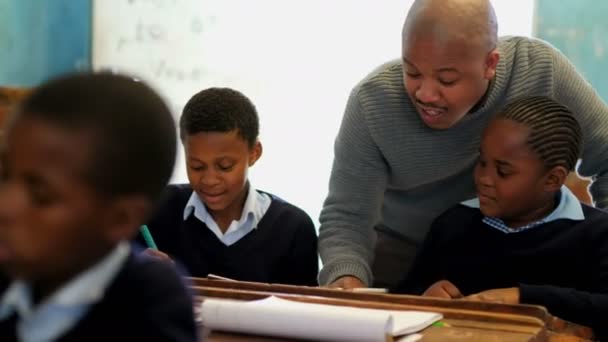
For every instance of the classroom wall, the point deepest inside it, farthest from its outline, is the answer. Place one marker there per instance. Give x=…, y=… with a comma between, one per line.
x=580, y=30
x=297, y=61
x=40, y=39
x=289, y=67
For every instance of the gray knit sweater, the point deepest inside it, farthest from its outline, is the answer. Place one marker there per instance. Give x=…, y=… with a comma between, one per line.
x=391, y=169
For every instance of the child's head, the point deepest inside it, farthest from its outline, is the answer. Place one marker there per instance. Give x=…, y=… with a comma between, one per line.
x=219, y=130
x=526, y=153
x=85, y=157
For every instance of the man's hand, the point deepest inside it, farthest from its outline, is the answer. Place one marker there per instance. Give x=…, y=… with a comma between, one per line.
x=443, y=289
x=506, y=296
x=347, y=283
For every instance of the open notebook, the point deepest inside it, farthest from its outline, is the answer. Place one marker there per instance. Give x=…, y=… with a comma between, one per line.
x=284, y=318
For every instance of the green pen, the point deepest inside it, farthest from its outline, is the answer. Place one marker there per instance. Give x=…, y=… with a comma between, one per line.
x=440, y=324
x=145, y=232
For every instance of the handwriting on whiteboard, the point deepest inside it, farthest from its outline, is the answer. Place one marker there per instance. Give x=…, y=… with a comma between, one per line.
x=151, y=37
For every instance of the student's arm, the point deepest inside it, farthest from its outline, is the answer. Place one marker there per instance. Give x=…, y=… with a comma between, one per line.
x=589, y=308
x=303, y=260
x=168, y=314
x=426, y=270
x=173, y=322
x=356, y=188
x=573, y=91
x=154, y=253
x=150, y=250
x=586, y=308
x=164, y=222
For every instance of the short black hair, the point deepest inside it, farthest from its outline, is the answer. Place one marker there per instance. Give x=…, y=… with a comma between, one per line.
x=556, y=136
x=133, y=131
x=220, y=110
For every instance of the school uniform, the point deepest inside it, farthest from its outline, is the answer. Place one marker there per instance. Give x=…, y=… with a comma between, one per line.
x=272, y=242
x=122, y=297
x=560, y=261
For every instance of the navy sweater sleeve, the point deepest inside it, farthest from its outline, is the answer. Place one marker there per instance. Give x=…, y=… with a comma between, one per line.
x=586, y=308
x=590, y=307
x=165, y=221
x=168, y=313
x=302, y=263
x=425, y=270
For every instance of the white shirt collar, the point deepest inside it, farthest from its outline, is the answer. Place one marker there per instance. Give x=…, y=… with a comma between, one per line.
x=569, y=207
x=66, y=306
x=254, y=209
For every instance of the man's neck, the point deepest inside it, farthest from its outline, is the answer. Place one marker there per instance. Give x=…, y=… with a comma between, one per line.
x=483, y=99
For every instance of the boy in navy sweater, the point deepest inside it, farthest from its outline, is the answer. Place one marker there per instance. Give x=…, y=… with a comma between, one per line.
x=219, y=223
x=525, y=238
x=84, y=159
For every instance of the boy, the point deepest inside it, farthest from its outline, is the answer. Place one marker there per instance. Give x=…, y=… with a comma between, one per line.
x=219, y=223
x=525, y=238
x=84, y=159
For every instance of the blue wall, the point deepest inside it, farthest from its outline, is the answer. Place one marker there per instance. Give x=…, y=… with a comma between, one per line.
x=580, y=30
x=41, y=38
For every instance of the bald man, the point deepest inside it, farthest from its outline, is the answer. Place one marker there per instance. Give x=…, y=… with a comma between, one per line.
x=410, y=135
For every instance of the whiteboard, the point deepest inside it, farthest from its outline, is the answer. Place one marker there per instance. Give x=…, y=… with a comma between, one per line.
x=174, y=46
x=169, y=43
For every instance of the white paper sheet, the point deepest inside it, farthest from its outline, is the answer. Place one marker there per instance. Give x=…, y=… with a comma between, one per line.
x=284, y=318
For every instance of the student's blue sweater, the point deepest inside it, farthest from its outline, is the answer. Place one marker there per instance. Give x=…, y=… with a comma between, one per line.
x=562, y=265
x=282, y=249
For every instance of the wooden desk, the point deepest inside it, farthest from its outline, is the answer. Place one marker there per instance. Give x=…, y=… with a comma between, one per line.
x=432, y=334
x=468, y=321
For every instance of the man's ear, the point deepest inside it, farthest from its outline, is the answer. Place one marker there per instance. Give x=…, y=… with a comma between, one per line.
x=124, y=216
x=555, y=178
x=491, y=63
x=255, y=153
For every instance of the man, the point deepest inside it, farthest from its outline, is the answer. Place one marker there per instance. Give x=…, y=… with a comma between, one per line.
x=410, y=135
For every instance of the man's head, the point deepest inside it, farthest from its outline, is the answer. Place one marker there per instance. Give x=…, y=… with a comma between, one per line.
x=449, y=57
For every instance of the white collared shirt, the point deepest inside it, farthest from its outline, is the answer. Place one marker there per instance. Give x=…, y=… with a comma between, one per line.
x=65, y=307
x=569, y=207
x=254, y=209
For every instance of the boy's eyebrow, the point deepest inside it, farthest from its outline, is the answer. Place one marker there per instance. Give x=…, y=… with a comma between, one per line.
x=503, y=163
x=35, y=180
x=499, y=162
x=193, y=158
x=221, y=158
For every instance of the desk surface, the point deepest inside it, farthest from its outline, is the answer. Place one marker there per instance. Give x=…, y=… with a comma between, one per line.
x=431, y=334
x=468, y=321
